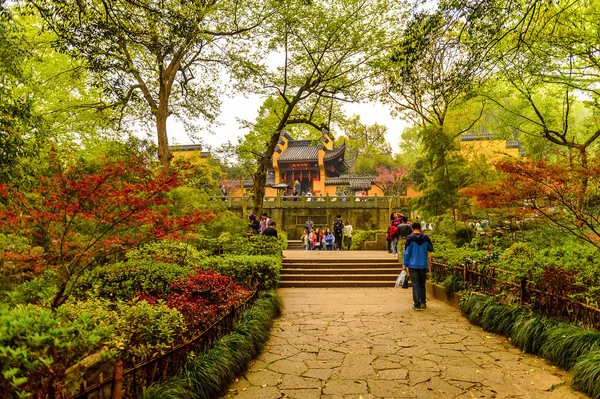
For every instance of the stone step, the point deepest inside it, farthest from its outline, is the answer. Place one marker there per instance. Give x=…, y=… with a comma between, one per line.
x=340, y=266
x=336, y=284
x=343, y=260
x=373, y=270
x=340, y=277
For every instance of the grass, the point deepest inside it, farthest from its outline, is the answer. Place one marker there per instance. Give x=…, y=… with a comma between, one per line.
x=565, y=344
x=586, y=374
x=568, y=346
x=208, y=375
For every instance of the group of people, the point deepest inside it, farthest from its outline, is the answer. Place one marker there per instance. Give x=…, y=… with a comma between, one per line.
x=329, y=239
x=264, y=226
x=416, y=255
x=398, y=229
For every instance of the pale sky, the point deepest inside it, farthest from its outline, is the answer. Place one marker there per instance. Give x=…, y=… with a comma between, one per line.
x=246, y=107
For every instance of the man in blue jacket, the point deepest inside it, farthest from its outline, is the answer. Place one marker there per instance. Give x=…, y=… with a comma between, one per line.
x=417, y=258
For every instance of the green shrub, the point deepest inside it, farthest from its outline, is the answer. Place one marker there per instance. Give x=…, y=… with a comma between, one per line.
x=258, y=245
x=37, y=345
x=123, y=280
x=140, y=330
x=360, y=236
x=564, y=344
x=208, y=375
x=247, y=270
x=167, y=251
x=453, y=284
x=586, y=374
x=38, y=291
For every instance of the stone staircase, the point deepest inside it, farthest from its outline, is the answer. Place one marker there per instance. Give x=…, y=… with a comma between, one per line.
x=294, y=244
x=323, y=273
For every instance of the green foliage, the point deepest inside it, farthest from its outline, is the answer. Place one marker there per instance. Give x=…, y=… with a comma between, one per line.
x=529, y=332
x=360, y=236
x=586, y=374
x=38, y=291
x=139, y=330
x=257, y=245
x=453, y=283
x=519, y=259
x=247, y=270
x=208, y=375
x=564, y=344
x=37, y=345
x=124, y=279
x=567, y=346
x=167, y=251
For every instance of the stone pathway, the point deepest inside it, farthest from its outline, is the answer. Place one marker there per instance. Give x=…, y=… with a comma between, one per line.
x=368, y=343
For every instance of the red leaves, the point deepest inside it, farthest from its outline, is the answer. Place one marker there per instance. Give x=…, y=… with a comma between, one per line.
x=201, y=297
x=78, y=214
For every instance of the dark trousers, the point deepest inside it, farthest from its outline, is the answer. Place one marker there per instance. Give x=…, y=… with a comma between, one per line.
x=338, y=241
x=418, y=278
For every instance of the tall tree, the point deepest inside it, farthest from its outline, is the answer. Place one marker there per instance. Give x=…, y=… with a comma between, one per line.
x=366, y=145
x=328, y=53
x=431, y=74
x=167, y=55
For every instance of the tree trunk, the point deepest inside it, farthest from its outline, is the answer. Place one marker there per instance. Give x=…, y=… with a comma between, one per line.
x=583, y=186
x=164, y=156
x=260, y=176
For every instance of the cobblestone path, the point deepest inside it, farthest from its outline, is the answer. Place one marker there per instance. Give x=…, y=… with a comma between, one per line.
x=369, y=343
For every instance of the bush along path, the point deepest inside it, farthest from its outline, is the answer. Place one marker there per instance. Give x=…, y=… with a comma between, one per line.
x=570, y=347
x=207, y=375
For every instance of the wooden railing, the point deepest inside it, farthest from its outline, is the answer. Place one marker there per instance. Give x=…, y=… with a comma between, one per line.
x=493, y=281
x=129, y=383
x=326, y=201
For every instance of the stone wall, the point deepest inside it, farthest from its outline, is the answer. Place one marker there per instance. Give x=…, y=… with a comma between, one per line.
x=291, y=220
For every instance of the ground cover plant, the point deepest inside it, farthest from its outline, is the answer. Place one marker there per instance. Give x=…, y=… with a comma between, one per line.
x=208, y=375
x=571, y=347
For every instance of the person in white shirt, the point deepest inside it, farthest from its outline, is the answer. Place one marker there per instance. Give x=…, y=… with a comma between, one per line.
x=347, y=234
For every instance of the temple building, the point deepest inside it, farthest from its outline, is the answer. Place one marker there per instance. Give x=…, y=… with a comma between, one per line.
x=319, y=168
x=473, y=146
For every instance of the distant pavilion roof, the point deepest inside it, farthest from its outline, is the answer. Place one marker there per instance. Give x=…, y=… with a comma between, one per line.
x=354, y=182
x=303, y=150
x=299, y=150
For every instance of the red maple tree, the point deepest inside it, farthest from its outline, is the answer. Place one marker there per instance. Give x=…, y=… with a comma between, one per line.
x=80, y=216
x=551, y=190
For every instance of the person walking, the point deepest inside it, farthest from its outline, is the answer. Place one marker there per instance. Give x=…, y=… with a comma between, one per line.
x=347, y=233
x=417, y=259
x=264, y=223
x=338, y=232
x=393, y=232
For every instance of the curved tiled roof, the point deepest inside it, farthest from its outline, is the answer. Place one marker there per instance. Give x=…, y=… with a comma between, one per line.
x=335, y=153
x=473, y=137
x=303, y=150
x=297, y=153
x=354, y=182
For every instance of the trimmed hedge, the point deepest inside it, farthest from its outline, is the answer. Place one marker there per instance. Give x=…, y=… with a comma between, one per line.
x=208, y=375
x=247, y=270
x=124, y=279
x=571, y=347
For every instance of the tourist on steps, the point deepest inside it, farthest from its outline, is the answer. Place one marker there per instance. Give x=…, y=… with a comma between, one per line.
x=347, y=233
